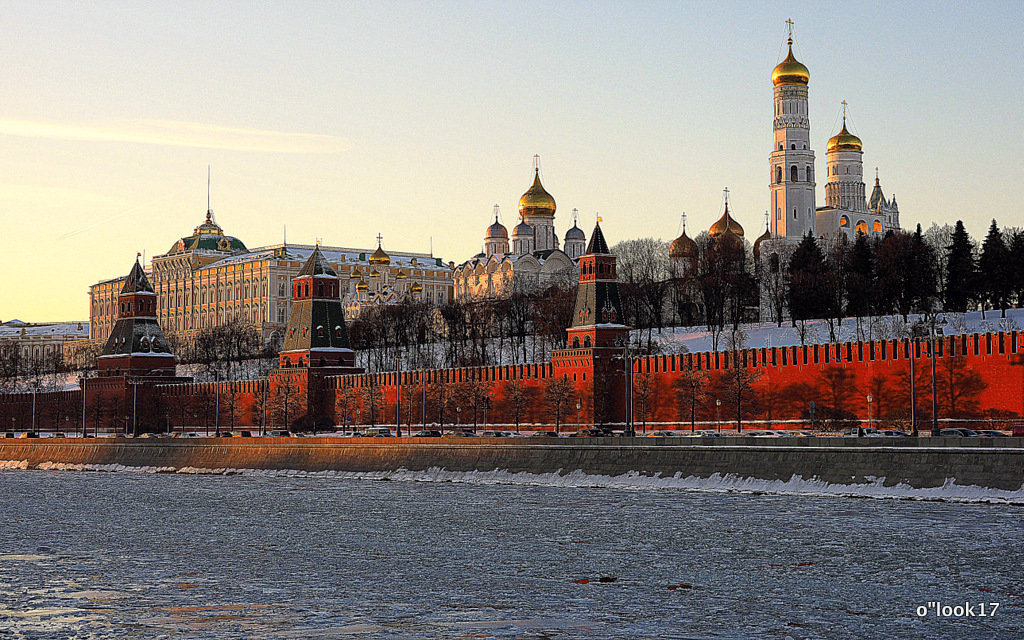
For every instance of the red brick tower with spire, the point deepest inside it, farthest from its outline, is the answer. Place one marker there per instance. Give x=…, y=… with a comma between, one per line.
x=315, y=346
x=595, y=357
x=136, y=345
x=135, y=358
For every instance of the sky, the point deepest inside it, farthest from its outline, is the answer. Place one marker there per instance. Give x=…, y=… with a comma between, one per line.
x=343, y=120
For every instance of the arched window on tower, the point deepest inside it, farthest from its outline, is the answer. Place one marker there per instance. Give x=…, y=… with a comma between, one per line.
x=792, y=173
x=810, y=173
x=778, y=174
x=793, y=147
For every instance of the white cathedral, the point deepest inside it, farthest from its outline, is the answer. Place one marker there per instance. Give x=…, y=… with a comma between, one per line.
x=535, y=259
x=793, y=212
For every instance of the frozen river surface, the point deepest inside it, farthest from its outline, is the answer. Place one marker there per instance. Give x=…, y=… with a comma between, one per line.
x=132, y=555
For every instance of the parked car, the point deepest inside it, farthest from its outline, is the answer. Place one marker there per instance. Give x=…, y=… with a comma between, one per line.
x=660, y=434
x=241, y=434
x=149, y=435
x=958, y=432
x=861, y=432
x=493, y=434
x=991, y=433
x=893, y=433
x=8, y=434
x=189, y=434
x=427, y=433
x=377, y=432
x=280, y=433
x=514, y=434
x=28, y=434
x=460, y=433
x=545, y=434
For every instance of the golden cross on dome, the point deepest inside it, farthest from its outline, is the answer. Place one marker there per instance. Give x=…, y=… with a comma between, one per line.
x=536, y=162
x=844, y=112
x=379, y=238
x=684, y=221
x=789, y=23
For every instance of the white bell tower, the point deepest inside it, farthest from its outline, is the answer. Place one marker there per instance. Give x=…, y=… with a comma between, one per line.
x=791, y=160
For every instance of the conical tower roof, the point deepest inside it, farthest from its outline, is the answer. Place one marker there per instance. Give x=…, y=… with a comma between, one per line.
x=597, y=241
x=137, y=282
x=317, y=265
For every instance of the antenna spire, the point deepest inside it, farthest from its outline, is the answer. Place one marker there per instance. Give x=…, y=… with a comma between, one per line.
x=209, y=210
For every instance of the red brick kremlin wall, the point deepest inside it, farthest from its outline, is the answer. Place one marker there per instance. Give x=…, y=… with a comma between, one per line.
x=978, y=376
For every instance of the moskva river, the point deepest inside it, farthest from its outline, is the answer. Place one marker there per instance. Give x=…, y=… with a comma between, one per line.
x=135, y=555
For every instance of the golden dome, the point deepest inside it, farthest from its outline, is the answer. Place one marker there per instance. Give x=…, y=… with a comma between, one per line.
x=790, y=70
x=416, y=287
x=764, y=237
x=401, y=276
x=362, y=286
x=379, y=257
x=725, y=223
x=844, y=141
x=683, y=247
x=536, y=201
x=356, y=274
x=373, y=274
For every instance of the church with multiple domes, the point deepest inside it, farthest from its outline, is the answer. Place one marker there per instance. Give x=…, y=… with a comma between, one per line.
x=793, y=211
x=534, y=258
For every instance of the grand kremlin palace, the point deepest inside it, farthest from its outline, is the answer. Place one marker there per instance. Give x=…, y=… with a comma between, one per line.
x=209, y=278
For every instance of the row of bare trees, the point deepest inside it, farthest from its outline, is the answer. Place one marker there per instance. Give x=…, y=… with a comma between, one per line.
x=830, y=400
x=460, y=403
x=524, y=325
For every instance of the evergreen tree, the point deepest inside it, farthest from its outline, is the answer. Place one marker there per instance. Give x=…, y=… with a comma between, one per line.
x=860, y=278
x=897, y=281
x=1017, y=266
x=924, y=291
x=960, y=270
x=806, y=267
x=994, y=269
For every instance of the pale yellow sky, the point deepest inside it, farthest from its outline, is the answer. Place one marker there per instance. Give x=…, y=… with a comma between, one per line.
x=412, y=120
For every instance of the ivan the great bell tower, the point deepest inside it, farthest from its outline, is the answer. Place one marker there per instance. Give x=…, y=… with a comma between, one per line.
x=792, y=160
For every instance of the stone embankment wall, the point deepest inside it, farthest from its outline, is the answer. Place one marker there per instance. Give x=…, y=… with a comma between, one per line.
x=929, y=462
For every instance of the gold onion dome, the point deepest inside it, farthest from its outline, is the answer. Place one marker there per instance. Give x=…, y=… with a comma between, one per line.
x=356, y=274
x=725, y=223
x=379, y=256
x=416, y=287
x=362, y=286
x=790, y=70
x=683, y=247
x=844, y=141
x=401, y=276
x=767, y=235
x=536, y=201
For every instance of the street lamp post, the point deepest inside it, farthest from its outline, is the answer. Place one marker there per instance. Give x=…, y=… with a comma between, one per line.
x=935, y=334
x=578, y=406
x=718, y=407
x=870, y=400
x=458, y=417
x=398, y=395
x=913, y=390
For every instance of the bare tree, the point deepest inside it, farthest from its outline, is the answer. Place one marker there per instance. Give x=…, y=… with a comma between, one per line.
x=643, y=392
x=558, y=392
x=691, y=389
x=518, y=398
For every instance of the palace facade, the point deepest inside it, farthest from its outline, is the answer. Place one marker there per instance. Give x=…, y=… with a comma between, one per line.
x=209, y=278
